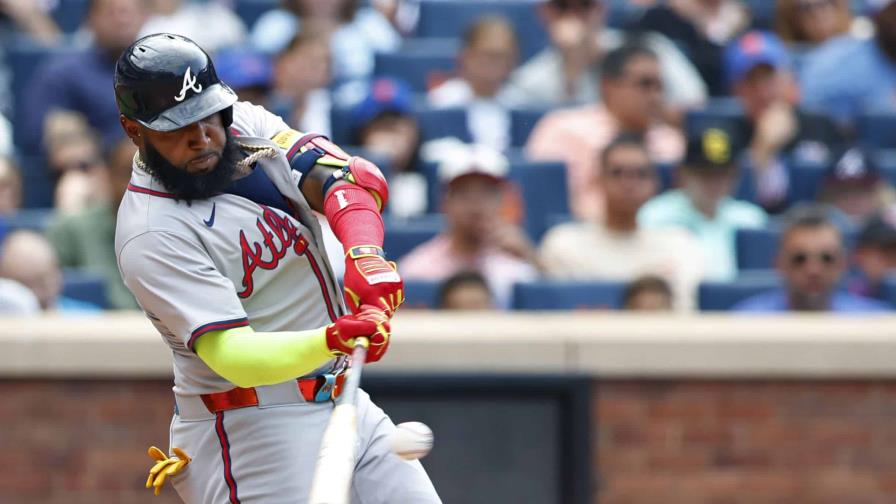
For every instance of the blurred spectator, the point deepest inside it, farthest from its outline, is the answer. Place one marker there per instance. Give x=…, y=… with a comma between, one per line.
x=86, y=239
x=875, y=255
x=81, y=81
x=249, y=73
x=702, y=28
x=476, y=239
x=851, y=75
x=647, y=293
x=855, y=188
x=10, y=188
x=488, y=56
x=356, y=33
x=466, y=290
x=758, y=70
x=810, y=23
x=811, y=260
x=569, y=71
x=5, y=136
x=301, y=76
x=703, y=204
x=616, y=248
x=31, y=17
x=210, y=23
x=16, y=299
x=632, y=91
x=27, y=257
x=383, y=125
x=74, y=159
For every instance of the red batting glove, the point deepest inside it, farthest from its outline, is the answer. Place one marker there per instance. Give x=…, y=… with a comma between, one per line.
x=370, y=323
x=371, y=280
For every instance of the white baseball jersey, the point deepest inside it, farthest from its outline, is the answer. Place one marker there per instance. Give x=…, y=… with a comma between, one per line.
x=226, y=261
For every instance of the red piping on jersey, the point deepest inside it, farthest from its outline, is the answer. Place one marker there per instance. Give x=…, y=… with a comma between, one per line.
x=151, y=192
x=323, y=285
x=225, y=455
x=215, y=326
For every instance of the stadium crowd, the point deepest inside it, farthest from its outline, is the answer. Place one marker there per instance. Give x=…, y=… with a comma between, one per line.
x=587, y=154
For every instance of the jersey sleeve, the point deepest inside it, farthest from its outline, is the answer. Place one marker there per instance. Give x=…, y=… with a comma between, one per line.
x=178, y=286
x=256, y=121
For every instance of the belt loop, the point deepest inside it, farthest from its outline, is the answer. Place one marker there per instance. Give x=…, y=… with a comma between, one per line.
x=325, y=388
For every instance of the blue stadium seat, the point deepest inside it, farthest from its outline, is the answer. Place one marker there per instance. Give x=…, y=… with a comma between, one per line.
x=718, y=112
x=69, y=14
x=450, y=18
x=763, y=12
x=721, y=296
x=37, y=185
x=875, y=130
x=84, y=286
x=420, y=294
x=544, y=192
x=562, y=295
x=756, y=248
x=422, y=69
x=434, y=123
x=522, y=122
x=403, y=235
x=250, y=10
x=804, y=181
x=33, y=219
x=889, y=289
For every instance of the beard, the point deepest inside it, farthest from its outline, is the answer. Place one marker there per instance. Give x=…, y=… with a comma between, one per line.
x=192, y=186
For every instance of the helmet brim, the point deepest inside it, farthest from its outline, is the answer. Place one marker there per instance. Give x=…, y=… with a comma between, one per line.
x=214, y=99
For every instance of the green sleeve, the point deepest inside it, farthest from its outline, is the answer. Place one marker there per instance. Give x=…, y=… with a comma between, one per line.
x=249, y=359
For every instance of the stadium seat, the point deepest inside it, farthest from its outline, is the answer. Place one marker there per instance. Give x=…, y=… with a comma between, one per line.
x=422, y=69
x=33, y=219
x=721, y=296
x=875, y=130
x=69, y=14
x=889, y=289
x=440, y=123
x=718, y=112
x=756, y=248
x=403, y=235
x=804, y=181
x=544, y=192
x=250, y=10
x=450, y=18
x=84, y=286
x=563, y=295
x=522, y=122
x=420, y=294
x=37, y=185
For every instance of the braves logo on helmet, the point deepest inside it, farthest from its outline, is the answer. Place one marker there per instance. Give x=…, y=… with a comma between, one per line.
x=189, y=83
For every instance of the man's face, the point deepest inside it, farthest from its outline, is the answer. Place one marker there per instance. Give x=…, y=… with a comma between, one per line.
x=468, y=296
x=489, y=59
x=635, y=98
x=394, y=137
x=471, y=205
x=759, y=89
x=819, y=19
x=707, y=187
x=811, y=262
x=628, y=179
x=193, y=162
x=876, y=261
x=303, y=68
x=116, y=23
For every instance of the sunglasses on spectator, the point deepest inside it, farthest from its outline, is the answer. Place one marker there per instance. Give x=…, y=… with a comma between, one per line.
x=811, y=5
x=647, y=83
x=638, y=172
x=800, y=259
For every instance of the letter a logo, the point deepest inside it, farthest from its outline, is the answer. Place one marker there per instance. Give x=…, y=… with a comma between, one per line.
x=189, y=83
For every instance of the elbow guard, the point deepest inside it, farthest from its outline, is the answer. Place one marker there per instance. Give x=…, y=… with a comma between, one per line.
x=365, y=175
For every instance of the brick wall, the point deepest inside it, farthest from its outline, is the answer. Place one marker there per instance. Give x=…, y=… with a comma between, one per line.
x=657, y=442
x=746, y=442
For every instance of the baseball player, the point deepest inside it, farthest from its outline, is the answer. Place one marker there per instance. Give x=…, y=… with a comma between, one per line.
x=217, y=241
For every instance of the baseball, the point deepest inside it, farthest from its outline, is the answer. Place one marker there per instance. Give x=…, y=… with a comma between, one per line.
x=411, y=440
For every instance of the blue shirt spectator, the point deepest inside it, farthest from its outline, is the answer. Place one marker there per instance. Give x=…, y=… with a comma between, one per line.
x=840, y=302
x=81, y=81
x=848, y=76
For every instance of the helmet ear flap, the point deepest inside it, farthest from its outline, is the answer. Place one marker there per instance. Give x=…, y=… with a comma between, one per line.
x=227, y=116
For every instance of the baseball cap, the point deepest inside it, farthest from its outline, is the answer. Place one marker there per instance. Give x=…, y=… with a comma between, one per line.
x=751, y=50
x=384, y=95
x=855, y=167
x=243, y=69
x=713, y=147
x=880, y=231
x=457, y=159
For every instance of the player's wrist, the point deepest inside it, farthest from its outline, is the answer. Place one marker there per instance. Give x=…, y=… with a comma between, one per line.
x=359, y=251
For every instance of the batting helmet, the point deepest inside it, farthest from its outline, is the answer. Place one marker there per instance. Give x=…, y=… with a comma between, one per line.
x=166, y=82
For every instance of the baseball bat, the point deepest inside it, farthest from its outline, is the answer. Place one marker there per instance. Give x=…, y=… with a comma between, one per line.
x=336, y=459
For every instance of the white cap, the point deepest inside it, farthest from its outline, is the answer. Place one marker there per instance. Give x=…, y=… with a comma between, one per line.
x=456, y=158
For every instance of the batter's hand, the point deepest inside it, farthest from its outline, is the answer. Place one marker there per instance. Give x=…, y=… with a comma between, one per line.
x=371, y=280
x=165, y=467
x=370, y=323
